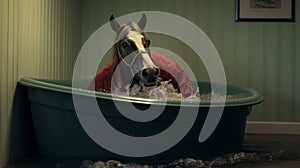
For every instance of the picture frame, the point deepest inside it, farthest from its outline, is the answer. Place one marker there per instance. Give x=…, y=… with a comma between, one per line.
x=265, y=10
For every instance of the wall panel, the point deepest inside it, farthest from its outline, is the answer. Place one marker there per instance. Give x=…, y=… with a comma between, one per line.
x=296, y=64
x=37, y=39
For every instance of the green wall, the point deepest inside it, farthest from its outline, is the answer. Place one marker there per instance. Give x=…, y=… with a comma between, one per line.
x=263, y=56
x=38, y=38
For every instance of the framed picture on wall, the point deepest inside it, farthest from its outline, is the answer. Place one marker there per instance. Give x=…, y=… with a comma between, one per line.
x=265, y=10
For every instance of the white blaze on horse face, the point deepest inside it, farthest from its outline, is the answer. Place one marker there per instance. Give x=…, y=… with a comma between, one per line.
x=137, y=37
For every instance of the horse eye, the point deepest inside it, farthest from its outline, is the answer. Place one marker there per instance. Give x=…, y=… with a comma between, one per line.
x=124, y=45
x=146, y=42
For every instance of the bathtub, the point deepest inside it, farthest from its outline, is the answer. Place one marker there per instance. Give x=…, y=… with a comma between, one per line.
x=59, y=133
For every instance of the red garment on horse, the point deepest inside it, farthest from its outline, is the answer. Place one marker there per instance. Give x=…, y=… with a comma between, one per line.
x=169, y=69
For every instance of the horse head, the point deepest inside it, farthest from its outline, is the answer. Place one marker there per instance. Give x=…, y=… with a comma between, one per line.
x=131, y=51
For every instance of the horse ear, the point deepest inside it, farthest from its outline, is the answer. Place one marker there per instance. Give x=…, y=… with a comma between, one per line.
x=114, y=24
x=143, y=21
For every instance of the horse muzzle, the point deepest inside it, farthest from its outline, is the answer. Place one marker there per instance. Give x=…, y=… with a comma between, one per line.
x=150, y=76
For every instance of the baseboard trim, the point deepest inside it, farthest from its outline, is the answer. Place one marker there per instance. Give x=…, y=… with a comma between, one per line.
x=258, y=127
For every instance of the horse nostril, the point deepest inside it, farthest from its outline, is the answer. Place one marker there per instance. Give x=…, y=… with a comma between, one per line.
x=156, y=71
x=145, y=73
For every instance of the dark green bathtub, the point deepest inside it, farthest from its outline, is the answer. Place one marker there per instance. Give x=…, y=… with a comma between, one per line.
x=60, y=134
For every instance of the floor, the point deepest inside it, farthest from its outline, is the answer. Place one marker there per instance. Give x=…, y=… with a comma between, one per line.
x=289, y=144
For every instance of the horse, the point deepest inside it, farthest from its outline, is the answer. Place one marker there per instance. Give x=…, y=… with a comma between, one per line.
x=131, y=52
x=134, y=63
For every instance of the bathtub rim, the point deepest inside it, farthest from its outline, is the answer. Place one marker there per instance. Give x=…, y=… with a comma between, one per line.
x=253, y=98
